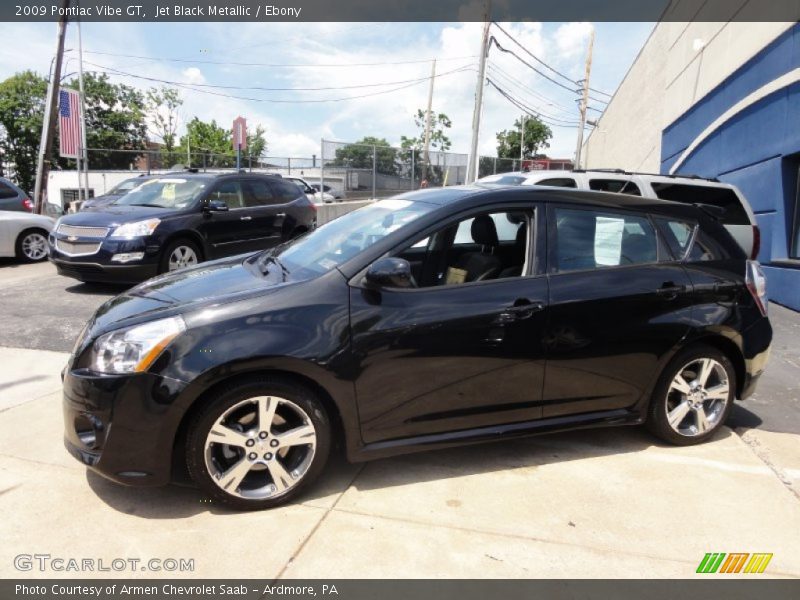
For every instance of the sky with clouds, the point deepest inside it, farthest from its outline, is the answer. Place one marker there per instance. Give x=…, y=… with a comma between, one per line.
x=378, y=97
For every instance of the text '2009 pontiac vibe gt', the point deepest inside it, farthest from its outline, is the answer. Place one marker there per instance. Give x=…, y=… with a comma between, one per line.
x=435, y=318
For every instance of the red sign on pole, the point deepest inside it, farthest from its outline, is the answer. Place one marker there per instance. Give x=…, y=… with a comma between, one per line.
x=239, y=133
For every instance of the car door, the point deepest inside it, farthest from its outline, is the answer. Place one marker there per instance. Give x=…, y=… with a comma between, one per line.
x=228, y=232
x=618, y=304
x=268, y=212
x=449, y=356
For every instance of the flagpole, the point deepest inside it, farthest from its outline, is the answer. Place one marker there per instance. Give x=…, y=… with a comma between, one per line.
x=84, y=149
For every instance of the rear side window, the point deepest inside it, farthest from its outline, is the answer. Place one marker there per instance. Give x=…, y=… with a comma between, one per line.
x=6, y=191
x=734, y=212
x=588, y=239
x=259, y=194
x=566, y=182
x=677, y=234
x=286, y=191
x=618, y=186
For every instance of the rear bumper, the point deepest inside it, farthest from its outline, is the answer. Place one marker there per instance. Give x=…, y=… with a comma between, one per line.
x=757, y=343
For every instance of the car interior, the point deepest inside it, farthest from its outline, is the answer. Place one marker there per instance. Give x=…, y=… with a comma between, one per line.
x=487, y=246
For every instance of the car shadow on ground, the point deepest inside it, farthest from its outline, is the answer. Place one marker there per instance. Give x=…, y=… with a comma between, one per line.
x=184, y=501
x=97, y=289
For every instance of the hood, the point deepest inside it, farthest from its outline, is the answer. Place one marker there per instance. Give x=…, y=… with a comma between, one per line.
x=115, y=214
x=18, y=215
x=208, y=284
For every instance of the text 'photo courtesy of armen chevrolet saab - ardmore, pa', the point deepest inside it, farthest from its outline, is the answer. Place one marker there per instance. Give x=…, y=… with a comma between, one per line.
x=471, y=299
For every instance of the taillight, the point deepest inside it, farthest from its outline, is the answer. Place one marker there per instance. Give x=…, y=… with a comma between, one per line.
x=313, y=205
x=756, y=283
x=756, y=243
x=27, y=204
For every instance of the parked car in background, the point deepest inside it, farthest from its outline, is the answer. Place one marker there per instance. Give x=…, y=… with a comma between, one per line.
x=178, y=220
x=328, y=190
x=726, y=200
x=13, y=198
x=438, y=317
x=24, y=235
x=313, y=194
x=115, y=192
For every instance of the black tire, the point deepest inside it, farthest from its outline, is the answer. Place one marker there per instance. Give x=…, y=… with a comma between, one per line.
x=228, y=398
x=19, y=246
x=657, y=420
x=163, y=263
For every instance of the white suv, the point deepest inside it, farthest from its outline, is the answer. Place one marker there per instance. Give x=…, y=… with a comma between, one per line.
x=729, y=205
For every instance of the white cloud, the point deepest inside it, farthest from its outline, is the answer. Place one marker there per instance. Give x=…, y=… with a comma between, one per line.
x=571, y=39
x=193, y=75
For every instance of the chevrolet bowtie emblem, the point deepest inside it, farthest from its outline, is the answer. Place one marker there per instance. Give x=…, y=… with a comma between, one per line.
x=72, y=238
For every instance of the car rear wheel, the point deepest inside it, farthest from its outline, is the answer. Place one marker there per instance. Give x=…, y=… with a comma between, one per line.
x=179, y=255
x=258, y=444
x=32, y=245
x=693, y=397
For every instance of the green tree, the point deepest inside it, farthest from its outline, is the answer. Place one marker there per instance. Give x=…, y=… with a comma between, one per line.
x=22, y=99
x=256, y=142
x=115, y=120
x=359, y=155
x=439, y=140
x=208, y=143
x=163, y=105
x=537, y=137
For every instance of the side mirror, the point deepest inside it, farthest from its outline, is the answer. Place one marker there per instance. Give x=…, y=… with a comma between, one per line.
x=216, y=206
x=390, y=272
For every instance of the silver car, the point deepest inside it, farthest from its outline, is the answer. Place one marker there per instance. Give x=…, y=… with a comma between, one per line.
x=24, y=235
x=13, y=198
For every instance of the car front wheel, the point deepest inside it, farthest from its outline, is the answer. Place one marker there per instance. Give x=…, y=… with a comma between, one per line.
x=178, y=255
x=693, y=397
x=32, y=245
x=258, y=444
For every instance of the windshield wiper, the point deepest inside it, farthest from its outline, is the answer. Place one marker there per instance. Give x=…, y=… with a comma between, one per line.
x=146, y=204
x=275, y=261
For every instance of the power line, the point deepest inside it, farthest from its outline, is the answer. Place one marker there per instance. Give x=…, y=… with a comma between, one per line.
x=530, y=66
x=544, y=64
x=274, y=65
x=516, y=82
x=559, y=117
x=192, y=87
x=531, y=111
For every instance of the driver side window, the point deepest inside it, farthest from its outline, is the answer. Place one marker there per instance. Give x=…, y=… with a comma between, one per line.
x=480, y=248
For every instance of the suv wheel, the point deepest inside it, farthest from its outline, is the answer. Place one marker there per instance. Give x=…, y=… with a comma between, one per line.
x=32, y=245
x=693, y=397
x=258, y=444
x=178, y=255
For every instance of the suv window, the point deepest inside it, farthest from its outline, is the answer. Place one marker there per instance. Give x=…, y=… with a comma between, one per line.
x=722, y=197
x=287, y=191
x=506, y=230
x=588, y=239
x=259, y=194
x=6, y=191
x=678, y=235
x=566, y=182
x=229, y=192
x=618, y=186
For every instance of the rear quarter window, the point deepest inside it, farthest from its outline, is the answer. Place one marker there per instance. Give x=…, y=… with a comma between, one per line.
x=6, y=191
x=733, y=211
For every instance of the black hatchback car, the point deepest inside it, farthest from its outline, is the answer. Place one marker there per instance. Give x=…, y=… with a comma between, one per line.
x=178, y=220
x=435, y=318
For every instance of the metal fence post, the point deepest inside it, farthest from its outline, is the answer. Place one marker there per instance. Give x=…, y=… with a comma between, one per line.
x=322, y=168
x=250, y=162
x=289, y=162
x=147, y=162
x=412, y=169
x=204, y=162
x=374, y=170
x=494, y=172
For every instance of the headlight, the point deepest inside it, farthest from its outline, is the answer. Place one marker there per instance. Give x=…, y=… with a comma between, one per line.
x=134, y=349
x=137, y=229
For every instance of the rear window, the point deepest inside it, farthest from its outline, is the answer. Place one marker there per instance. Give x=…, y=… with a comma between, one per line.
x=618, y=186
x=734, y=212
x=6, y=191
x=566, y=182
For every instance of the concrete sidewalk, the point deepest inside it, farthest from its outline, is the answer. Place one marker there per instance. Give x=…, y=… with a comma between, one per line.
x=607, y=503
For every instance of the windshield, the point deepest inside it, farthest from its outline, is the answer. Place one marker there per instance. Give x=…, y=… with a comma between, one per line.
x=126, y=186
x=341, y=239
x=166, y=192
x=504, y=179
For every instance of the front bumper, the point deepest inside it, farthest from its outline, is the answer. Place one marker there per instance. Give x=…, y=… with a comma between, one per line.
x=98, y=266
x=122, y=427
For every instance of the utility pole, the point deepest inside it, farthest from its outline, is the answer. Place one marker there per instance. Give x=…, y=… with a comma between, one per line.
x=84, y=149
x=49, y=121
x=428, y=118
x=472, y=163
x=584, y=100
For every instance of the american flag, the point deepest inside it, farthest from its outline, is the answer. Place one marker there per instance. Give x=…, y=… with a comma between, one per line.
x=70, y=123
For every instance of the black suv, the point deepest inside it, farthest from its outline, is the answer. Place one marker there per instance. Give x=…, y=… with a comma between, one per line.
x=438, y=317
x=178, y=220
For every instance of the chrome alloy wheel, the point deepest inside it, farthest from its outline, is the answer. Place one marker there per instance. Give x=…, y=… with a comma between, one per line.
x=697, y=397
x=34, y=246
x=182, y=256
x=260, y=448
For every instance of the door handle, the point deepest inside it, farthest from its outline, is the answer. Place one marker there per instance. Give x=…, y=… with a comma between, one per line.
x=245, y=218
x=523, y=309
x=281, y=215
x=670, y=291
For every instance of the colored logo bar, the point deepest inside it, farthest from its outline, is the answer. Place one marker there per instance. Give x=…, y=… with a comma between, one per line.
x=735, y=562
